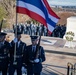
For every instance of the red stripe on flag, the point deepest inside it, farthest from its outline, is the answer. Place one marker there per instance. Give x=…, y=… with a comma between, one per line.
x=49, y=32
x=51, y=12
x=31, y=14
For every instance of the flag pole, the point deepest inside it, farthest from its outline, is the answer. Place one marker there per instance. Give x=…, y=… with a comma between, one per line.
x=1, y=25
x=15, y=34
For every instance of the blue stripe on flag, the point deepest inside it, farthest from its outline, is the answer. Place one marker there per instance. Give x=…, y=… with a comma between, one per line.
x=39, y=4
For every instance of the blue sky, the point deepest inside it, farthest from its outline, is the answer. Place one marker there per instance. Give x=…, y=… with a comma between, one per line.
x=62, y=2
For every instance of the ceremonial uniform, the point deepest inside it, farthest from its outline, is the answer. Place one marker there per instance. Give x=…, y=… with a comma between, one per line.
x=34, y=65
x=4, y=54
x=16, y=56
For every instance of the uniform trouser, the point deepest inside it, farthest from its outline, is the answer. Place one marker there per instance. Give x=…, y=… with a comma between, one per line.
x=33, y=74
x=33, y=69
x=12, y=69
x=4, y=71
x=4, y=66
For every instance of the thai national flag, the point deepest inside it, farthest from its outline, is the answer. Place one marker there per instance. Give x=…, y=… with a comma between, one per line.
x=40, y=11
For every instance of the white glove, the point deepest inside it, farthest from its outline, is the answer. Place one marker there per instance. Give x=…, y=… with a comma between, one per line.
x=23, y=70
x=15, y=40
x=36, y=60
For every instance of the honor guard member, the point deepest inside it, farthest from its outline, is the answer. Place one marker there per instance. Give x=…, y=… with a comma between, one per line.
x=17, y=51
x=4, y=53
x=34, y=65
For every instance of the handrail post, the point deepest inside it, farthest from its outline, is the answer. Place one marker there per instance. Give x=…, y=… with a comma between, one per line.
x=75, y=69
x=68, y=68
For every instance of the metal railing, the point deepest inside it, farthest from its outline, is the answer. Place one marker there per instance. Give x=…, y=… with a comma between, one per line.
x=71, y=69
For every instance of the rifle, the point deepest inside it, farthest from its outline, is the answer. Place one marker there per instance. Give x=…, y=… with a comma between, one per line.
x=1, y=25
x=37, y=48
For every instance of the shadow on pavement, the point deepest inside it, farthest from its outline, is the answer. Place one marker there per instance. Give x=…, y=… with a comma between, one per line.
x=47, y=70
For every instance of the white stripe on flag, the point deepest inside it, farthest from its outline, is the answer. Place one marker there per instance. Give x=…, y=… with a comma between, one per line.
x=31, y=8
x=54, y=19
x=50, y=27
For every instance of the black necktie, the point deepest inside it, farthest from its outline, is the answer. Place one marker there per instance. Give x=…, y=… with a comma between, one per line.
x=17, y=44
x=33, y=49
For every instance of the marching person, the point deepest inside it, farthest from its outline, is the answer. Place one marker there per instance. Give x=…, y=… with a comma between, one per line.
x=17, y=51
x=34, y=64
x=4, y=53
